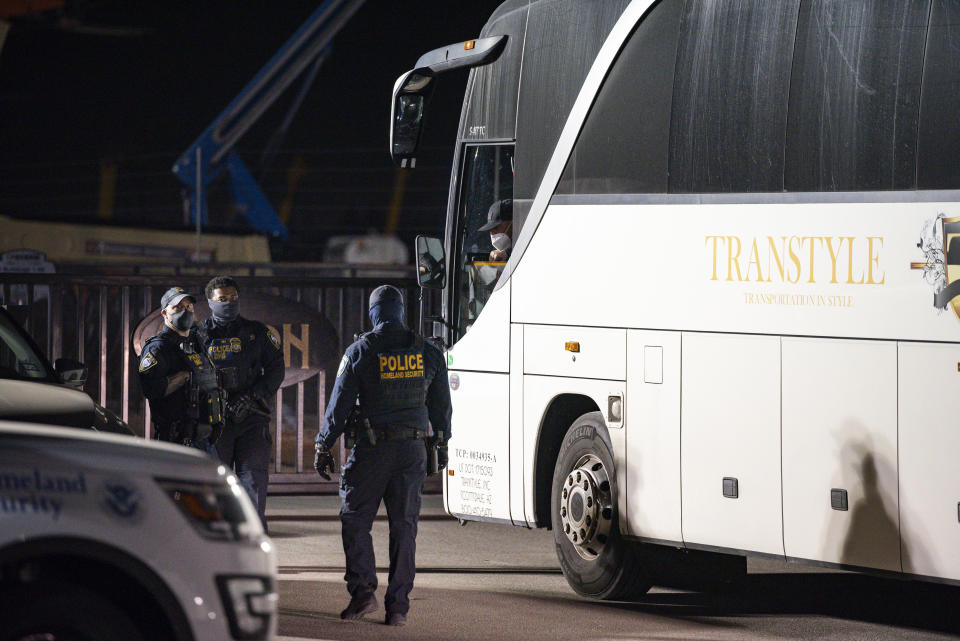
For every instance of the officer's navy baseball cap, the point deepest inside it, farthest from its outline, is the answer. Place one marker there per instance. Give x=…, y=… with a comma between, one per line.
x=499, y=212
x=174, y=295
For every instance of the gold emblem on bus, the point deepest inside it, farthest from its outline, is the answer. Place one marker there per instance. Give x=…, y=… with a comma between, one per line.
x=940, y=244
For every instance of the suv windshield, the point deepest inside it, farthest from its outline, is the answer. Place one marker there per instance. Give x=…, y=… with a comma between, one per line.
x=19, y=357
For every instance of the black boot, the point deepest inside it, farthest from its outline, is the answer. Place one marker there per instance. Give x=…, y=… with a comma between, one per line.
x=360, y=604
x=395, y=618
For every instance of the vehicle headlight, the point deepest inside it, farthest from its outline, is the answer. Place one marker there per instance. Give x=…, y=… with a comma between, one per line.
x=215, y=511
x=251, y=604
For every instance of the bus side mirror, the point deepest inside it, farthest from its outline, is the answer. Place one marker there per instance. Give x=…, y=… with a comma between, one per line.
x=412, y=90
x=430, y=263
x=410, y=94
x=70, y=372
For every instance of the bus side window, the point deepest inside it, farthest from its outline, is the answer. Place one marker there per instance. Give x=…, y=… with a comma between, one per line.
x=938, y=150
x=623, y=147
x=730, y=96
x=855, y=95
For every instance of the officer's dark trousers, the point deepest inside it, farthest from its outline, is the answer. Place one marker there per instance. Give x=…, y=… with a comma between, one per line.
x=246, y=449
x=392, y=471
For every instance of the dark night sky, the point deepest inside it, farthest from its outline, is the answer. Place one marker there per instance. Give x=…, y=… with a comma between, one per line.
x=69, y=100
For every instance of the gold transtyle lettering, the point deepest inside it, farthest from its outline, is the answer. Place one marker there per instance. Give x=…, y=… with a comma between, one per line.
x=874, y=259
x=733, y=258
x=754, y=260
x=775, y=256
x=850, y=280
x=834, y=255
x=714, y=239
x=790, y=259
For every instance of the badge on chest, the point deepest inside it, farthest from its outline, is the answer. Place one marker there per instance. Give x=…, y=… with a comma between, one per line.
x=224, y=348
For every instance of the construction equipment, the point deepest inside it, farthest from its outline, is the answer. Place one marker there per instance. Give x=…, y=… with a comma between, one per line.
x=215, y=149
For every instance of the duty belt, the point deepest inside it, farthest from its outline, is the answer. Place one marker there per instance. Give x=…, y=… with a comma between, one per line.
x=399, y=434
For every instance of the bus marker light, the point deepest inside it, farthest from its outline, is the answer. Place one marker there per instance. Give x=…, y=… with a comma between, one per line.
x=574, y=346
x=450, y=472
x=469, y=44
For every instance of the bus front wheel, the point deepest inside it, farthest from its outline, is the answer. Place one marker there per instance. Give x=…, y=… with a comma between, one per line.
x=595, y=560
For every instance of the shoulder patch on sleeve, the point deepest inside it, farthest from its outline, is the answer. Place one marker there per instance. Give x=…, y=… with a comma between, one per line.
x=343, y=365
x=274, y=337
x=147, y=361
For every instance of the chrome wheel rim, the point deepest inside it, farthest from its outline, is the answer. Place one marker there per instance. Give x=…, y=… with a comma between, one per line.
x=586, y=507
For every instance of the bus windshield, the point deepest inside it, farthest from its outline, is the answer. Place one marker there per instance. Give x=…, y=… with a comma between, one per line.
x=484, y=214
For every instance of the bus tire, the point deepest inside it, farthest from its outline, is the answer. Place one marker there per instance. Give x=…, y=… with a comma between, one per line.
x=595, y=559
x=63, y=612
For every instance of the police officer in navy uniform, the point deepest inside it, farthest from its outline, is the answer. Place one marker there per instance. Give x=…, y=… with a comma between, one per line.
x=401, y=382
x=179, y=380
x=249, y=359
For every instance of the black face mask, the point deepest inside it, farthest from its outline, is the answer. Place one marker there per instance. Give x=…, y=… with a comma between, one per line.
x=224, y=312
x=182, y=320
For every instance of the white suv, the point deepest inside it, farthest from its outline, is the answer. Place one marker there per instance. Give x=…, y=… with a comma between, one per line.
x=114, y=538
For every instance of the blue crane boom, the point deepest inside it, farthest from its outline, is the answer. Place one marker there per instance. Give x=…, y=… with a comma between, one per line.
x=215, y=150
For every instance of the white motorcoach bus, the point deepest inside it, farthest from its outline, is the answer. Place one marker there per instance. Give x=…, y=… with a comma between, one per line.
x=726, y=324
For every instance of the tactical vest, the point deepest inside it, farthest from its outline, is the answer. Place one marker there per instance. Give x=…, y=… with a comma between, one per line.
x=234, y=354
x=204, y=395
x=396, y=381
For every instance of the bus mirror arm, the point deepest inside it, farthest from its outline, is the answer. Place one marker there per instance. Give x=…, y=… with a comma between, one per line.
x=438, y=326
x=413, y=89
x=439, y=319
x=460, y=55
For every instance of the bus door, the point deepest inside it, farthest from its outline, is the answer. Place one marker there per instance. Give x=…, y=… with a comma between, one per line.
x=478, y=478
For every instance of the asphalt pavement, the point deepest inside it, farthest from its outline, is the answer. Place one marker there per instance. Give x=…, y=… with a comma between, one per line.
x=496, y=582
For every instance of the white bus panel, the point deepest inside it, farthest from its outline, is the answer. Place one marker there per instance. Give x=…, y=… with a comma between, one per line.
x=929, y=404
x=486, y=347
x=518, y=478
x=478, y=474
x=580, y=352
x=817, y=269
x=653, y=435
x=731, y=430
x=840, y=435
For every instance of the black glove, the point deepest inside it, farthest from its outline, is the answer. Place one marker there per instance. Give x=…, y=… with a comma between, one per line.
x=240, y=407
x=442, y=456
x=323, y=462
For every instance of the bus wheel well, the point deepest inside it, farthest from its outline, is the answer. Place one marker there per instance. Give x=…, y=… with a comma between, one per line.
x=107, y=579
x=560, y=415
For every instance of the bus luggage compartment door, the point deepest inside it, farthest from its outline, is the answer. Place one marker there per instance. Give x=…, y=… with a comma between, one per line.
x=730, y=429
x=929, y=442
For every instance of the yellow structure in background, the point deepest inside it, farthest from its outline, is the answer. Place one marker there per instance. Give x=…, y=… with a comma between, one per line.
x=108, y=188
x=68, y=243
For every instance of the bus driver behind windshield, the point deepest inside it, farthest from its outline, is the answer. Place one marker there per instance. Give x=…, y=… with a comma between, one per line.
x=500, y=226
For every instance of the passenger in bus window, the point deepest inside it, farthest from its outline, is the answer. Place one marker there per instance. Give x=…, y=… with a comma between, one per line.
x=500, y=226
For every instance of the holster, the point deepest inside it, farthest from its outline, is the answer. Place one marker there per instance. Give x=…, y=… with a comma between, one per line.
x=351, y=428
x=229, y=378
x=433, y=463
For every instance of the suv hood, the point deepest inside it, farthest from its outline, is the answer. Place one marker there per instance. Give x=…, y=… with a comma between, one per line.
x=109, y=451
x=38, y=402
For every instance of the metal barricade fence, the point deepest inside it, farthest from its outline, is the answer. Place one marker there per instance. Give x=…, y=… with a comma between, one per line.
x=92, y=318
